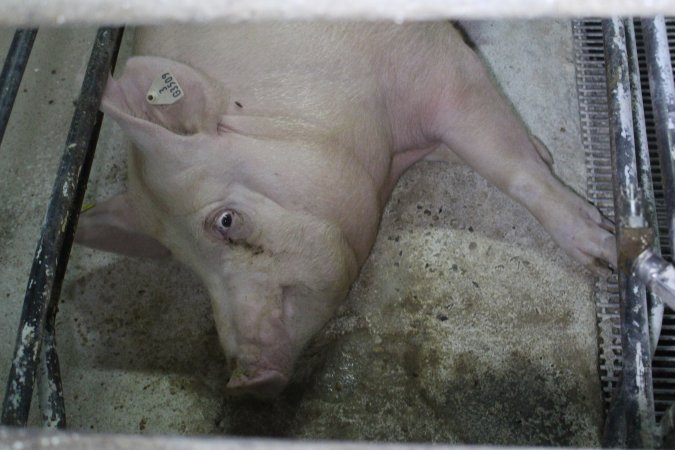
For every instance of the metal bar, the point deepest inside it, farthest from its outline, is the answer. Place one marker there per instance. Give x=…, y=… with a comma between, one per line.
x=644, y=168
x=53, y=249
x=34, y=438
x=50, y=388
x=634, y=403
x=77, y=12
x=663, y=103
x=658, y=275
x=12, y=73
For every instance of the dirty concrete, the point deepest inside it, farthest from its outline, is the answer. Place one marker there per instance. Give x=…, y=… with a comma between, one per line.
x=467, y=324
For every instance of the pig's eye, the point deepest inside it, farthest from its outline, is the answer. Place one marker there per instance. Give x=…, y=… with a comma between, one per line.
x=223, y=222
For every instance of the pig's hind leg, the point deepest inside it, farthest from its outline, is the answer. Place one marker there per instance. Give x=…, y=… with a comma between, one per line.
x=477, y=124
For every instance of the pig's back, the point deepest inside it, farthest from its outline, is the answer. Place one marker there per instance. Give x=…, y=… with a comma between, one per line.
x=309, y=71
x=291, y=58
x=346, y=78
x=291, y=62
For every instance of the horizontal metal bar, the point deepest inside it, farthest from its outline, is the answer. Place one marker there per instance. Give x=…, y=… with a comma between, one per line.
x=106, y=12
x=35, y=438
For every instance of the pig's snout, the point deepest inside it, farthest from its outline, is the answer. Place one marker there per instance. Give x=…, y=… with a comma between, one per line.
x=264, y=383
x=260, y=372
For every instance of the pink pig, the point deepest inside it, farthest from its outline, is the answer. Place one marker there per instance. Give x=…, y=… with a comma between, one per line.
x=263, y=155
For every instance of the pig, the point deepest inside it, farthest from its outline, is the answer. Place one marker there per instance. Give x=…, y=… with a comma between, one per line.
x=263, y=155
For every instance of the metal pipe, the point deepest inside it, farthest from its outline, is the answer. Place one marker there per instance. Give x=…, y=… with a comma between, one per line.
x=35, y=438
x=50, y=388
x=658, y=275
x=635, y=401
x=644, y=169
x=12, y=73
x=78, y=12
x=663, y=103
x=53, y=249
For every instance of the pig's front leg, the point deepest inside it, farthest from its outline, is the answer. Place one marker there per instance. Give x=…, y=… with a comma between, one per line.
x=478, y=125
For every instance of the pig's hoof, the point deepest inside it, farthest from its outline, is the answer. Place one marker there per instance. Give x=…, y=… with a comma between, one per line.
x=268, y=384
x=580, y=229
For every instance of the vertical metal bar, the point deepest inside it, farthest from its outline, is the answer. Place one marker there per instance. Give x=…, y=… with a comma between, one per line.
x=659, y=274
x=636, y=401
x=50, y=388
x=12, y=72
x=663, y=103
x=58, y=228
x=644, y=175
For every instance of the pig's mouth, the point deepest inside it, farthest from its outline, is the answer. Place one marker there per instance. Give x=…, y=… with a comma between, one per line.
x=267, y=383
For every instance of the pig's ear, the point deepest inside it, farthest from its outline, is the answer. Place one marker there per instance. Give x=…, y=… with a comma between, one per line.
x=166, y=93
x=112, y=226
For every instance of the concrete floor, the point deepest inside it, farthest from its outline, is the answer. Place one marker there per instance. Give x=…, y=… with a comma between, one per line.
x=467, y=325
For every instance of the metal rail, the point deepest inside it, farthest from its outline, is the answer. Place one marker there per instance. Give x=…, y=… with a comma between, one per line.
x=36, y=330
x=644, y=178
x=78, y=12
x=631, y=420
x=663, y=103
x=631, y=415
x=655, y=271
x=12, y=72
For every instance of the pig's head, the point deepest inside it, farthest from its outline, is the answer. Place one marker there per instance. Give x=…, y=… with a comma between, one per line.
x=274, y=220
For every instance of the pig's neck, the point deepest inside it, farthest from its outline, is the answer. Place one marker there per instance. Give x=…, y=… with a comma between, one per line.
x=356, y=130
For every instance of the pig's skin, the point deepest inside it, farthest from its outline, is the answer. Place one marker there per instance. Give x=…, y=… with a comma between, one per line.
x=296, y=134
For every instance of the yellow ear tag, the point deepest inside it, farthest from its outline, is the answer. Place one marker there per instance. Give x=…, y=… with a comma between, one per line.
x=165, y=90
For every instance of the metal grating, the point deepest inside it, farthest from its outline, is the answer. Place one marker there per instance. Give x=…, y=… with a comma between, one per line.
x=592, y=93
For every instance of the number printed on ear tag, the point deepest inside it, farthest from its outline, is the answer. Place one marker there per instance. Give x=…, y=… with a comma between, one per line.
x=165, y=90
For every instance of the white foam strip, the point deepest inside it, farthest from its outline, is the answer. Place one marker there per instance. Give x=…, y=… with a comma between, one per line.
x=111, y=12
